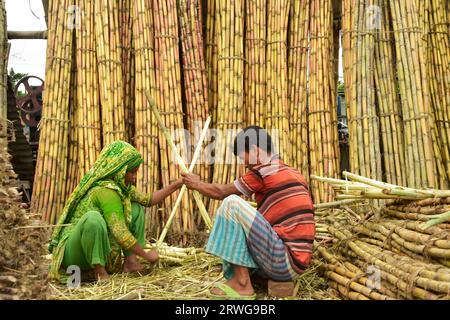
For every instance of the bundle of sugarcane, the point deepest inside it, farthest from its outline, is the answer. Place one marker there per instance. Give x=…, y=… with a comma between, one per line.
x=424, y=166
x=109, y=54
x=358, y=187
x=421, y=210
x=128, y=64
x=391, y=127
x=212, y=36
x=255, y=68
x=412, y=238
x=362, y=114
x=146, y=127
x=438, y=67
x=3, y=65
x=169, y=101
x=276, y=110
x=230, y=116
x=86, y=134
x=194, y=71
x=323, y=140
x=401, y=274
x=50, y=181
x=298, y=83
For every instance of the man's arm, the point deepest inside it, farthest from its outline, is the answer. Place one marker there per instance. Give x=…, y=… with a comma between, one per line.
x=211, y=190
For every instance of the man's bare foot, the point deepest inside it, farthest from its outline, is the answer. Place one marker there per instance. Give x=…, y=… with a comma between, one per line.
x=132, y=265
x=242, y=289
x=100, y=273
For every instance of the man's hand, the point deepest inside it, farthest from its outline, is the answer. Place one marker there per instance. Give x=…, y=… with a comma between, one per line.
x=191, y=180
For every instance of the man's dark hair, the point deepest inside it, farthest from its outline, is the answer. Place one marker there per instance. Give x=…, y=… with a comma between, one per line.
x=252, y=135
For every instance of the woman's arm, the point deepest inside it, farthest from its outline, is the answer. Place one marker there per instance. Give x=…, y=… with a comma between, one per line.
x=211, y=190
x=160, y=195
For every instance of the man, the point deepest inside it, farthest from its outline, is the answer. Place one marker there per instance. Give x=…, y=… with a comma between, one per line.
x=276, y=240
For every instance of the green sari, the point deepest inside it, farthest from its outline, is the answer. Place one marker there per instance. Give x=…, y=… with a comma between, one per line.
x=107, y=172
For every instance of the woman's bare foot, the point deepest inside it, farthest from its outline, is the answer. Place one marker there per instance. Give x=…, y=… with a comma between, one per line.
x=100, y=273
x=131, y=265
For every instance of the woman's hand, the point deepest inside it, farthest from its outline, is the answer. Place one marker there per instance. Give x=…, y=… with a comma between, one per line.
x=191, y=180
x=151, y=256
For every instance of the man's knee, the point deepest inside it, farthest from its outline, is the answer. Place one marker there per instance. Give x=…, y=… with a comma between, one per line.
x=94, y=222
x=232, y=200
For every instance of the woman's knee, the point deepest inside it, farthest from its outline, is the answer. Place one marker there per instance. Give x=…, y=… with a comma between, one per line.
x=94, y=221
x=137, y=210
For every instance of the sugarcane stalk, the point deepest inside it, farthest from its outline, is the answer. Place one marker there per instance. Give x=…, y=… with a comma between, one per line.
x=184, y=188
x=180, y=160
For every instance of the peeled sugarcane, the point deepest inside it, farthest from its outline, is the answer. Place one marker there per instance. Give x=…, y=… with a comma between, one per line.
x=179, y=160
x=195, y=158
x=298, y=51
x=276, y=110
x=109, y=54
x=230, y=20
x=146, y=126
x=169, y=99
x=255, y=68
x=49, y=190
x=323, y=139
x=423, y=157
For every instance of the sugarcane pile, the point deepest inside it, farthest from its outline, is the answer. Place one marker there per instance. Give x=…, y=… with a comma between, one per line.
x=400, y=250
x=22, y=275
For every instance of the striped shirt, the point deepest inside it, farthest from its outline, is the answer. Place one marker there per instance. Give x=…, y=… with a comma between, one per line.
x=282, y=196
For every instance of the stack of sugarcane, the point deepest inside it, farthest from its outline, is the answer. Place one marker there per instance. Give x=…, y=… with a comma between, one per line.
x=438, y=68
x=146, y=128
x=423, y=156
x=109, y=60
x=322, y=115
x=298, y=80
x=276, y=111
x=169, y=101
x=51, y=173
x=361, y=267
x=211, y=61
x=229, y=17
x=194, y=70
x=404, y=254
x=255, y=68
x=128, y=63
x=3, y=65
x=364, y=134
x=391, y=127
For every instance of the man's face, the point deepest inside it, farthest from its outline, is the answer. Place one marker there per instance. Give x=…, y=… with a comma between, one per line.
x=130, y=176
x=250, y=159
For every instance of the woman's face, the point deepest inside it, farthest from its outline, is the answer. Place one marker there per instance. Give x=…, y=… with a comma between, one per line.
x=130, y=176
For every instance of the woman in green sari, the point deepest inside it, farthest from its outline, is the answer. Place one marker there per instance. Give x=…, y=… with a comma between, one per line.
x=104, y=217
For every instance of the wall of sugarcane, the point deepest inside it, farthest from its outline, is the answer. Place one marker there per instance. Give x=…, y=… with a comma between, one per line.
x=396, y=66
x=242, y=62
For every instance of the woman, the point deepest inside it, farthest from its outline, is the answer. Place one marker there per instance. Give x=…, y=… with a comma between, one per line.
x=104, y=217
